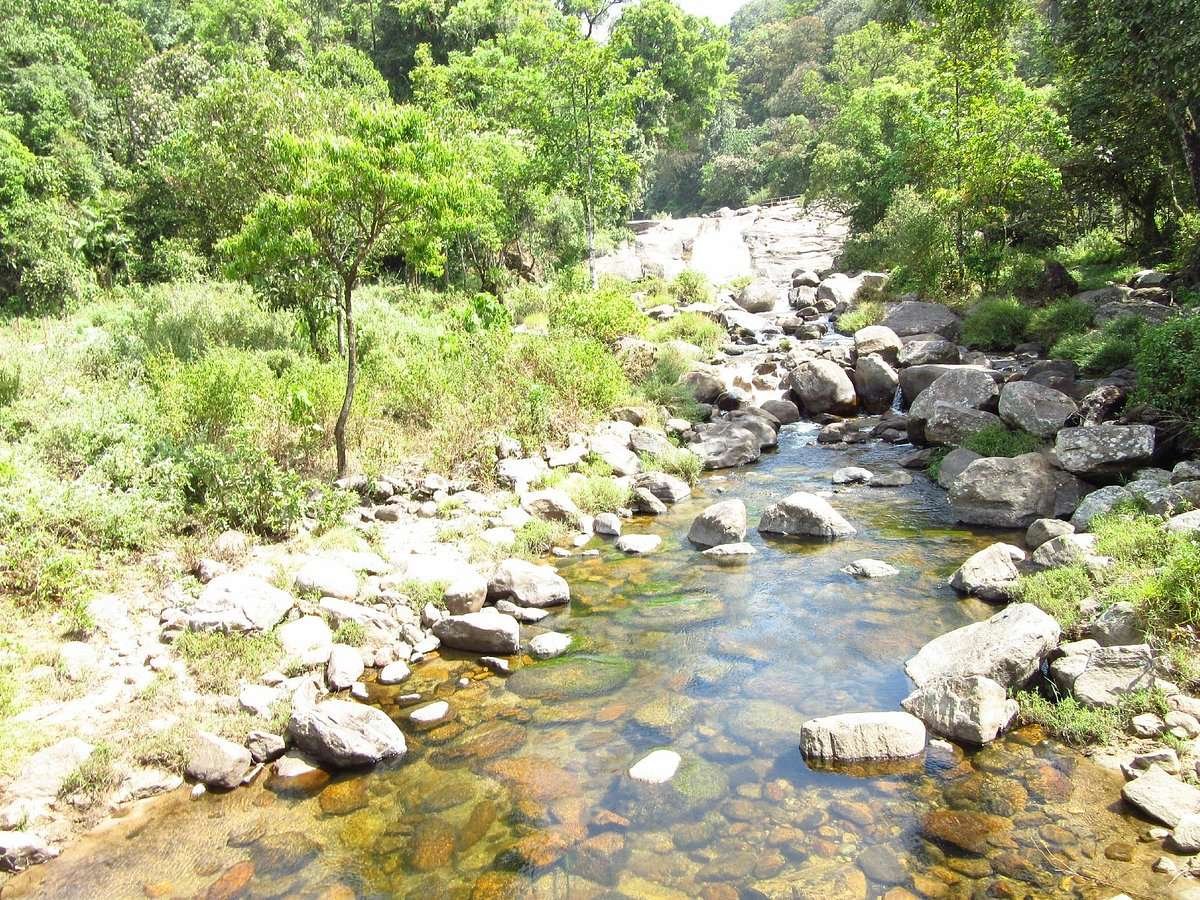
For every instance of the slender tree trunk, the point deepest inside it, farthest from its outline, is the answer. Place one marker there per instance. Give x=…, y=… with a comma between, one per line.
x=1189, y=133
x=341, y=330
x=339, y=430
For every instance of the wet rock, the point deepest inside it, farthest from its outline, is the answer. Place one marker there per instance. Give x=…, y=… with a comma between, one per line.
x=870, y=568
x=705, y=386
x=343, y=797
x=265, y=747
x=239, y=603
x=284, y=853
x=295, y=772
x=394, y=673
x=487, y=631
x=784, y=410
x=638, y=544
x=1162, y=796
x=970, y=708
x=327, y=578
x=860, y=736
x=642, y=501
x=990, y=574
x=964, y=829
x=1104, y=449
x=216, y=762
x=432, y=846
x=880, y=340
x=882, y=865
x=431, y=714
x=1013, y=492
x=1043, y=530
x=852, y=475
x=875, y=383
x=723, y=445
x=758, y=296
x=607, y=524
x=668, y=714
x=1008, y=648
x=731, y=553
x=527, y=584
x=721, y=523
x=232, y=882
x=1100, y=676
x=549, y=645
x=658, y=767
x=345, y=734
x=804, y=514
x=666, y=488
x=1040, y=410
x=822, y=386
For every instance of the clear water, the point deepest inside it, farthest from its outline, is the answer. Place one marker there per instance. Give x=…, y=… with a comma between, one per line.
x=525, y=792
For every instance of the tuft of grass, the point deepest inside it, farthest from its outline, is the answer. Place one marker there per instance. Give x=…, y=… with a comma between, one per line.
x=421, y=592
x=350, y=633
x=599, y=493
x=1081, y=725
x=690, y=286
x=1058, y=592
x=1172, y=598
x=868, y=312
x=691, y=327
x=1105, y=350
x=93, y=779
x=1131, y=538
x=220, y=662
x=661, y=386
x=538, y=537
x=996, y=440
x=935, y=462
x=996, y=324
x=1052, y=323
x=680, y=462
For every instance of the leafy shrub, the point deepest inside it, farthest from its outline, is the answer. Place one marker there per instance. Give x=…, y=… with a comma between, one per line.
x=40, y=572
x=1052, y=323
x=605, y=314
x=691, y=327
x=1173, y=596
x=220, y=662
x=599, y=493
x=243, y=487
x=997, y=324
x=864, y=313
x=1020, y=273
x=690, y=286
x=662, y=387
x=1106, y=350
x=913, y=239
x=10, y=385
x=1095, y=247
x=1187, y=242
x=1168, y=369
x=996, y=440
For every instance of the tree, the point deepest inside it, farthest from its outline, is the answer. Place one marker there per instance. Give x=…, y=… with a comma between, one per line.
x=388, y=184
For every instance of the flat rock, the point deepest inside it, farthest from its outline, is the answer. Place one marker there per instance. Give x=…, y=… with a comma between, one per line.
x=638, y=544
x=549, y=645
x=1162, y=796
x=487, y=631
x=239, y=603
x=862, y=736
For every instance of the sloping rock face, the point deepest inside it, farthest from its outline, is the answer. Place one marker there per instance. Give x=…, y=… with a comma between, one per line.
x=1162, y=796
x=343, y=734
x=1007, y=648
x=970, y=708
x=862, y=736
x=1014, y=492
x=1038, y=409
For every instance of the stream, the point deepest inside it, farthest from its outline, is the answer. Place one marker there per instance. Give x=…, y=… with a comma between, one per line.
x=526, y=793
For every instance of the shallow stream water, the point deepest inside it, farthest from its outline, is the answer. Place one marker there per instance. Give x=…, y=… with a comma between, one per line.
x=526, y=793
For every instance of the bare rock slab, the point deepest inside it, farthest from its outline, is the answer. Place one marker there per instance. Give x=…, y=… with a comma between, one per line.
x=862, y=736
x=1162, y=796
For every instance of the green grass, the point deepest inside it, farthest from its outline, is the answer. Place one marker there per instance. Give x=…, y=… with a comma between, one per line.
x=538, y=537
x=1057, y=592
x=691, y=327
x=996, y=440
x=599, y=493
x=350, y=633
x=866, y=312
x=996, y=324
x=1052, y=323
x=1103, y=350
x=420, y=593
x=221, y=662
x=93, y=779
x=1081, y=725
x=680, y=462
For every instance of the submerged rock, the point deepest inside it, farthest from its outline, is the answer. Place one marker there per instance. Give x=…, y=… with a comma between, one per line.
x=658, y=767
x=869, y=568
x=862, y=736
x=571, y=677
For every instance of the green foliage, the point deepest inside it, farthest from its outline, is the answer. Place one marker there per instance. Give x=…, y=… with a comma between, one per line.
x=350, y=633
x=1060, y=319
x=1105, y=350
x=93, y=779
x=599, y=493
x=914, y=241
x=1168, y=369
x=1097, y=246
x=691, y=327
x=1187, y=243
x=421, y=593
x=996, y=440
x=538, y=537
x=1173, y=597
x=864, y=313
x=680, y=462
x=662, y=386
x=1057, y=592
x=221, y=662
x=690, y=286
x=1081, y=725
x=605, y=315
x=997, y=324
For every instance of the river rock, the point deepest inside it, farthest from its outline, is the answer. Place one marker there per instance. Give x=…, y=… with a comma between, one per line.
x=394, y=673
x=487, y=631
x=954, y=464
x=862, y=736
x=345, y=666
x=607, y=524
x=520, y=473
x=758, y=296
x=823, y=387
x=658, y=767
x=667, y=488
x=465, y=594
x=264, y=746
x=1038, y=409
x=1104, y=449
x=217, y=763
x=705, y=386
x=21, y=849
x=649, y=440
x=1100, y=676
x=807, y=514
x=552, y=505
x=549, y=645
x=1098, y=503
x=1186, y=835
x=970, y=708
x=784, y=410
x=615, y=453
x=731, y=552
x=239, y=603
x=1012, y=492
x=1066, y=550
x=935, y=352
x=721, y=523
x=638, y=544
x=1162, y=796
x=1008, y=648
x=852, y=475
x=875, y=383
x=951, y=425
x=879, y=340
x=723, y=445
x=990, y=574
x=917, y=317
x=306, y=640
x=344, y=734
x=327, y=578
x=1043, y=530
x=1116, y=626
x=869, y=568
x=528, y=584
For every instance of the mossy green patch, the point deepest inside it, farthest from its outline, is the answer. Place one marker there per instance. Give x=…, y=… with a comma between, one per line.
x=572, y=677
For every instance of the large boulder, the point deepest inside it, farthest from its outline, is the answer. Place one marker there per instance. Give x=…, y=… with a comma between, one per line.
x=784, y=410
x=615, y=453
x=528, y=584
x=961, y=387
x=749, y=326
x=552, y=505
x=841, y=290
x=666, y=488
x=721, y=523
x=804, y=514
x=916, y=379
x=950, y=425
x=1038, y=409
x=723, y=445
x=862, y=736
x=1100, y=676
x=758, y=296
x=875, y=383
x=1104, y=449
x=954, y=464
x=1007, y=648
x=465, y=594
x=239, y=603
x=704, y=386
x=822, y=386
x=990, y=574
x=971, y=708
x=344, y=734
x=487, y=631
x=1012, y=492
x=307, y=640
x=920, y=353
x=879, y=340
x=216, y=762
x=917, y=317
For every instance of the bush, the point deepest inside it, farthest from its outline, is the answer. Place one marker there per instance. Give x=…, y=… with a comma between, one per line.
x=867, y=312
x=1052, y=323
x=1168, y=370
x=912, y=239
x=244, y=487
x=997, y=324
x=599, y=493
x=996, y=440
x=690, y=286
x=1187, y=243
x=1106, y=350
x=605, y=314
x=1095, y=247
x=1020, y=273
x=691, y=327
x=662, y=386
